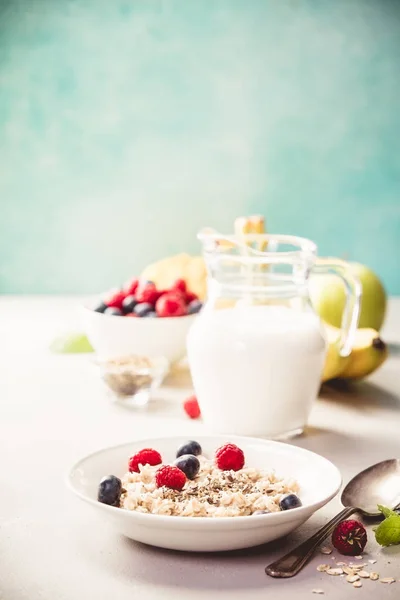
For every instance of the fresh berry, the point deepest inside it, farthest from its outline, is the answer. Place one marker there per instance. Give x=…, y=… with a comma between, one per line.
x=191, y=447
x=194, y=307
x=110, y=490
x=116, y=299
x=171, y=305
x=179, y=286
x=116, y=312
x=131, y=287
x=349, y=537
x=289, y=502
x=192, y=408
x=152, y=314
x=190, y=296
x=147, y=456
x=229, y=458
x=129, y=304
x=170, y=477
x=100, y=307
x=189, y=464
x=260, y=512
x=132, y=315
x=142, y=309
x=147, y=292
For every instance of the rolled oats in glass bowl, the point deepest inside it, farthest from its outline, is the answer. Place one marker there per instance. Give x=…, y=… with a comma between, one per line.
x=132, y=378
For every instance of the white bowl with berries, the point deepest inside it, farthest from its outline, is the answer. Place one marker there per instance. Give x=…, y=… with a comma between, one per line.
x=142, y=320
x=206, y=495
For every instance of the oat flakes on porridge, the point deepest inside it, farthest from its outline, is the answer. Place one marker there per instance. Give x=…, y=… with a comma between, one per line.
x=195, y=486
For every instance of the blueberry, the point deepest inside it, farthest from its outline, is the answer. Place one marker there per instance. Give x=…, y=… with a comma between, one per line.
x=194, y=307
x=290, y=501
x=190, y=447
x=189, y=464
x=110, y=310
x=110, y=490
x=152, y=314
x=100, y=307
x=129, y=304
x=142, y=309
x=260, y=512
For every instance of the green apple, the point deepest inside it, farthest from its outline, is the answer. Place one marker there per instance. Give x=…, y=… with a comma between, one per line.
x=327, y=294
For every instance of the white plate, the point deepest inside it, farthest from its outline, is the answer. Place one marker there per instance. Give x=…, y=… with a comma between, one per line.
x=319, y=479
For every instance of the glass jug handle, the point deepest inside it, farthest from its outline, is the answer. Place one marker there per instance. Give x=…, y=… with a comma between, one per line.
x=353, y=289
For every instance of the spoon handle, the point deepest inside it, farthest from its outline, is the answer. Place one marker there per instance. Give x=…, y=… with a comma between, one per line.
x=294, y=561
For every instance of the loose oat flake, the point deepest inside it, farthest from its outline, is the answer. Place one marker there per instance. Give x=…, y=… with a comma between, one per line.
x=387, y=580
x=374, y=576
x=322, y=568
x=325, y=550
x=372, y=561
x=363, y=574
x=352, y=578
x=337, y=571
x=318, y=591
x=357, y=584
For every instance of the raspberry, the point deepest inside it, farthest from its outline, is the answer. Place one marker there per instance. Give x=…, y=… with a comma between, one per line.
x=229, y=458
x=191, y=407
x=179, y=286
x=147, y=292
x=170, y=477
x=349, y=537
x=147, y=456
x=190, y=296
x=115, y=299
x=131, y=287
x=171, y=305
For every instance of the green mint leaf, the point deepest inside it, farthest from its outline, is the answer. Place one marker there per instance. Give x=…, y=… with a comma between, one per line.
x=387, y=512
x=388, y=532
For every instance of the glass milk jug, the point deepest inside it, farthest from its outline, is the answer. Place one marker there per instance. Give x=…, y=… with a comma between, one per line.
x=257, y=350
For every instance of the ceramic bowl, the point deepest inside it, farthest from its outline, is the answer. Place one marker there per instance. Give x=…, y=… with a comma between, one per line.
x=319, y=481
x=113, y=336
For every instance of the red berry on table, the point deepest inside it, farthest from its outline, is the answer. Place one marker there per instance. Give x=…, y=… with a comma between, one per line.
x=147, y=456
x=192, y=408
x=115, y=299
x=349, y=537
x=147, y=292
x=170, y=477
x=229, y=458
x=179, y=286
x=131, y=287
x=171, y=304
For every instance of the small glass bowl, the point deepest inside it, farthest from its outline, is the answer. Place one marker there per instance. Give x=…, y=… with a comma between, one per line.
x=131, y=379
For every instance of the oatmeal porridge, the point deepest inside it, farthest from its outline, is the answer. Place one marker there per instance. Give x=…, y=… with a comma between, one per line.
x=196, y=486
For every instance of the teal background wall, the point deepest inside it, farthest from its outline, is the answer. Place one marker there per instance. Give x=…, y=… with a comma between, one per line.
x=126, y=125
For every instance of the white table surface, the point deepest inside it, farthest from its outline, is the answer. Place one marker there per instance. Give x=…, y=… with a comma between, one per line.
x=53, y=410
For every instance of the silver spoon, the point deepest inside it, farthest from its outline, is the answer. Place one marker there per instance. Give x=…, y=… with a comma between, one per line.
x=379, y=484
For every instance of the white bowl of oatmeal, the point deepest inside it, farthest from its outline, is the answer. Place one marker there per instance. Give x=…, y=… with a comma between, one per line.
x=218, y=509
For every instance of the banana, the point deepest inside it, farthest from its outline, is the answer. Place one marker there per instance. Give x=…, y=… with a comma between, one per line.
x=368, y=353
x=334, y=362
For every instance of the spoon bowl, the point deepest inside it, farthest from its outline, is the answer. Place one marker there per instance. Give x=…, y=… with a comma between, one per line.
x=379, y=484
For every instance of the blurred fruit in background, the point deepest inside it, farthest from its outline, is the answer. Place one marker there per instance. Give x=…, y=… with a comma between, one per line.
x=328, y=297
x=166, y=271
